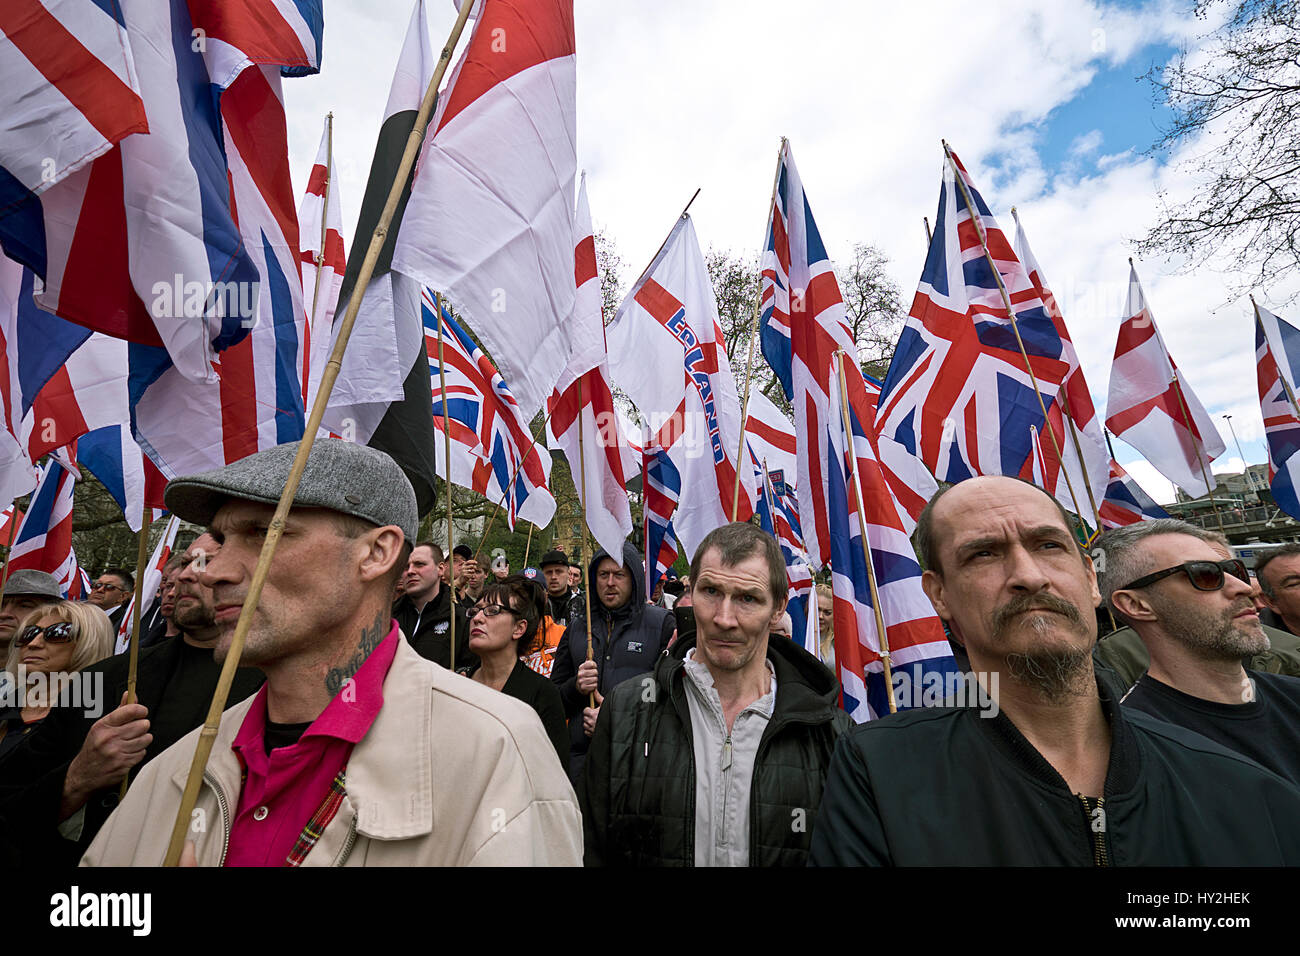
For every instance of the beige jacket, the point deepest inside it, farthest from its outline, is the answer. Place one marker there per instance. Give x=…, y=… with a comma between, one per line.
x=451, y=773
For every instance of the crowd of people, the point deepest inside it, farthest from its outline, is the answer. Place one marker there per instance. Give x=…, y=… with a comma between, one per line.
x=399, y=705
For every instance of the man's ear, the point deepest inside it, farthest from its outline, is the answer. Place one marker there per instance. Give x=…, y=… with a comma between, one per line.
x=932, y=585
x=1133, y=605
x=776, y=614
x=383, y=551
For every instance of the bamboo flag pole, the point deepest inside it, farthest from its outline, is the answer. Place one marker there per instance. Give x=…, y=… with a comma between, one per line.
x=528, y=544
x=1068, y=414
x=276, y=528
x=881, y=633
x=582, y=540
x=753, y=334
x=1011, y=314
x=324, y=217
x=133, y=653
x=446, y=440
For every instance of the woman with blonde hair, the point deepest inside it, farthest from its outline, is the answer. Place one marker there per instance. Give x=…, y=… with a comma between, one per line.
x=60, y=638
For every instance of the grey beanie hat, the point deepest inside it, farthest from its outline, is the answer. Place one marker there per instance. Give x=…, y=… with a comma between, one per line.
x=340, y=475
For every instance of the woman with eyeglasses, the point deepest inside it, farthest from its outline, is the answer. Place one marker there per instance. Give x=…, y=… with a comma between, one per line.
x=503, y=625
x=61, y=638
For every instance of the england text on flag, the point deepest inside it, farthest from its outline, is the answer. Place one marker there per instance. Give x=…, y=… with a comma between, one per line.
x=958, y=392
x=1151, y=406
x=667, y=352
x=492, y=450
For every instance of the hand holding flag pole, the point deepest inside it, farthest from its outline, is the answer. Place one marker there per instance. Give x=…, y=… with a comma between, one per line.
x=753, y=334
x=1011, y=314
x=276, y=528
x=133, y=653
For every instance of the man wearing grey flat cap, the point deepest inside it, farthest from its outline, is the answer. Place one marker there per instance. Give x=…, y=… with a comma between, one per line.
x=356, y=743
x=25, y=591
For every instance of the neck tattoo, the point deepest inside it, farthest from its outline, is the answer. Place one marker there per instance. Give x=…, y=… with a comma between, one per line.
x=370, y=639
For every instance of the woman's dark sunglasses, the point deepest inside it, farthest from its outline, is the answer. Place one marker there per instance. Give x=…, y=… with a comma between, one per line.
x=1204, y=575
x=60, y=633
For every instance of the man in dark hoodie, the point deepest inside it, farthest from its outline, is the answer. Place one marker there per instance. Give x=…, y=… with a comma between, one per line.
x=719, y=759
x=627, y=637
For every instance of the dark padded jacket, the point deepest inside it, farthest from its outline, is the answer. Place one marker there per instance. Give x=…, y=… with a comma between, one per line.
x=946, y=787
x=640, y=634
x=638, y=789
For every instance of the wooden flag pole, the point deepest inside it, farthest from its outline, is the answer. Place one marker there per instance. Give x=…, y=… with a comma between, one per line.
x=276, y=527
x=1015, y=326
x=133, y=653
x=446, y=438
x=753, y=334
x=582, y=540
x=528, y=544
x=881, y=633
x=324, y=216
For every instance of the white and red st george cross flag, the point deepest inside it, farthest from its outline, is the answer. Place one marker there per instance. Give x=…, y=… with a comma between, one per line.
x=162, y=552
x=583, y=400
x=667, y=352
x=1094, y=474
x=490, y=218
x=324, y=259
x=1150, y=402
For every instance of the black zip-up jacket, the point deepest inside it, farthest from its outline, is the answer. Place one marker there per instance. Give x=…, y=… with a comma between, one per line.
x=432, y=637
x=945, y=787
x=638, y=790
x=626, y=642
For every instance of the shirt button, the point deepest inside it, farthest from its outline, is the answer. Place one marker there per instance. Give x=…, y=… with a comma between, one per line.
x=260, y=813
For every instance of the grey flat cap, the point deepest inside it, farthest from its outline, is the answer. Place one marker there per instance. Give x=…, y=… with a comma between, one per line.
x=340, y=475
x=34, y=584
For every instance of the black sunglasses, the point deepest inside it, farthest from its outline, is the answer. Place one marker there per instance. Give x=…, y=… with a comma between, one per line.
x=60, y=633
x=1204, y=575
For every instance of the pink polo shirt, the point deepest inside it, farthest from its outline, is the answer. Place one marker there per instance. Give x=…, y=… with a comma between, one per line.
x=281, y=792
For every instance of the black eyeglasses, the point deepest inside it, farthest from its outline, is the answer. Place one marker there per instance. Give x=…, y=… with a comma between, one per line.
x=60, y=633
x=1204, y=575
x=490, y=610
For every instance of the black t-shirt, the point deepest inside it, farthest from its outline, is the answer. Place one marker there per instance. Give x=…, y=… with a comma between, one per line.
x=1267, y=729
x=189, y=693
x=282, y=735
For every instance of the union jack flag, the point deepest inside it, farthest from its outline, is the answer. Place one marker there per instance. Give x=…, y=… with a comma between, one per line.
x=958, y=393
x=778, y=515
x=493, y=450
x=917, y=645
x=1277, y=349
x=1126, y=502
x=44, y=539
x=802, y=328
x=663, y=489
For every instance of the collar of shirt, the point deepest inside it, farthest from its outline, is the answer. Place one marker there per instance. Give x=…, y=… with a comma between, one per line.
x=702, y=678
x=347, y=717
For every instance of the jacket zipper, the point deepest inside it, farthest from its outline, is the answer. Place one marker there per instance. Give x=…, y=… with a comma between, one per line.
x=1100, y=856
x=224, y=807
x=347, y=844
x=726, y=779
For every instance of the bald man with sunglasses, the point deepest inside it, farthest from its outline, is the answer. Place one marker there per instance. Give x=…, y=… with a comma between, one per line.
x=1194, y=612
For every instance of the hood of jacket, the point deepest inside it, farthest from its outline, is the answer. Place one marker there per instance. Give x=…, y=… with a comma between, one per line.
x=631, y=561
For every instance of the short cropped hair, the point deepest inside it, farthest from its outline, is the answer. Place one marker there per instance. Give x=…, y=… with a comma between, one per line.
x=352, y=527
x=1262, y=562
x=928, y=547
x=122, y=573
x=1118, y=561
x=435, y=549
x=736, y=542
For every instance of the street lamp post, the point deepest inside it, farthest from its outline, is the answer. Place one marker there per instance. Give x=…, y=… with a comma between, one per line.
x=1245, y=466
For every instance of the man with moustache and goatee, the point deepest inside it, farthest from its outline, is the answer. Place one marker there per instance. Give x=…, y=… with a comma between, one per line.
x=1056, y=773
